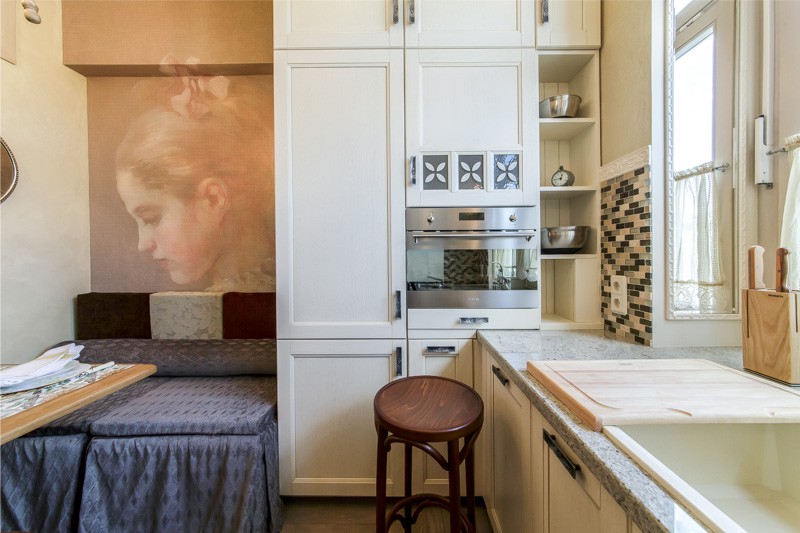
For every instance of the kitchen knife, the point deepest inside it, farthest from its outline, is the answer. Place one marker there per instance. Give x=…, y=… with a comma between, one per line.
x=755, y=268
x=782, y=269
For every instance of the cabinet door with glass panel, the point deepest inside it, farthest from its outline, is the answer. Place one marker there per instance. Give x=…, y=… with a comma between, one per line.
x=702, y=239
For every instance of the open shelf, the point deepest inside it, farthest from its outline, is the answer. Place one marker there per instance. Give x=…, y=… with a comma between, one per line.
x=558, y=322
x=558, y=193
x=563, y=129
x=562, y=65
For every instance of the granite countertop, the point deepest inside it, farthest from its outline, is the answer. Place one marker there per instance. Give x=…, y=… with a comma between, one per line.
x=650, y=506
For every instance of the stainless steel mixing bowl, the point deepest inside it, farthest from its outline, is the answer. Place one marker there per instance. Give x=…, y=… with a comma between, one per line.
x=560, y=106
x=564, y=239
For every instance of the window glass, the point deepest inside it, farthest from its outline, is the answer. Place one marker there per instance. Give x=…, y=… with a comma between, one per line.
x=694, y=104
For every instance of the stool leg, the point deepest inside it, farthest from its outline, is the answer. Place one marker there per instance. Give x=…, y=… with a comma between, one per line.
x=453, y=475
x=408, y=509
x=470, y=473
x=380, y=482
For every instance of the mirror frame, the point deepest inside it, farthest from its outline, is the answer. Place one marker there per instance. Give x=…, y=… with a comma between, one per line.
x=738, y=167
x=14, y=169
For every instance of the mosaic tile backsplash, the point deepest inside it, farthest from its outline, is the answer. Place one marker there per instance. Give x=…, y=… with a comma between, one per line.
x=626, y=247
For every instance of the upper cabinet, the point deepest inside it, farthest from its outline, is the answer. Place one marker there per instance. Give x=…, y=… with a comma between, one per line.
x=568, y=23
x=384, y=23
x=471, y=136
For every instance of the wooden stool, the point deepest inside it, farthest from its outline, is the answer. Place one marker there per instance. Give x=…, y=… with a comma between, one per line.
x=417, y=411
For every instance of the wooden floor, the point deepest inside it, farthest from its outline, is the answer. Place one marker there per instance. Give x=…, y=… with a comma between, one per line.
x=357, y=515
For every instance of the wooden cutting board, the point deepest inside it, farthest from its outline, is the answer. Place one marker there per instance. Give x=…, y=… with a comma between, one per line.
x=640, y=391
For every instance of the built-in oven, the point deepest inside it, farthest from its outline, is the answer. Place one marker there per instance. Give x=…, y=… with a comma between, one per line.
x=474, y=258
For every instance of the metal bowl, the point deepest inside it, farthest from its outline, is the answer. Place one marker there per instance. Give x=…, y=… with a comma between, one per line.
x=564, y=239
x=560, y=106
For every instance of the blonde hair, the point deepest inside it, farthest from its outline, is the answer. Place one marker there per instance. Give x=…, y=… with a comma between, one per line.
x=232, y=140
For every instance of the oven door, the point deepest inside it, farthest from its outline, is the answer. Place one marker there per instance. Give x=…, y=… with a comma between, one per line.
x=473, y=270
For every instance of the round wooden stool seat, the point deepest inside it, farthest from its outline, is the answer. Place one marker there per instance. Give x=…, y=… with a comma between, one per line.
x=417, y=411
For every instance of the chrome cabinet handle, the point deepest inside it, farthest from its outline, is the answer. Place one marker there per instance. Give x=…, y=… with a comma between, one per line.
x=412, y=17
x=398, y=361
x=412, y=170
x=395, y=12
x=571, y=467
x=499, y=375
x=438, y=350
x=525, y=234
x=545, y=11
x=398, y=308
x=473, y=320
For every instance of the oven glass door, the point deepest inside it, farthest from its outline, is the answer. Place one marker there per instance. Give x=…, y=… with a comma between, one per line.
x=472, y=270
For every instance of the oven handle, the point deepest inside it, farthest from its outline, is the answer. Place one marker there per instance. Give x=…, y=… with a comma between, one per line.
x=527, y=235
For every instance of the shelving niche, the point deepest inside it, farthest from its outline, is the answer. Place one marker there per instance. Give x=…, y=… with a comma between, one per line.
x=571, y=282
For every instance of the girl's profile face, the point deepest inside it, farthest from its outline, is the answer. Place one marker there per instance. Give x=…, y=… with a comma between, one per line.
x=183, y=237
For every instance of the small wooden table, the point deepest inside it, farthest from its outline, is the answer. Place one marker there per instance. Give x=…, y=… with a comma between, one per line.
x=63, y=399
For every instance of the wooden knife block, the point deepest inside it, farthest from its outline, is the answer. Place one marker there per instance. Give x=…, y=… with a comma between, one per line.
x=771, y=334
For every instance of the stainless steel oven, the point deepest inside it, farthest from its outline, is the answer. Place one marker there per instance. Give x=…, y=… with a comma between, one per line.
x=472, y=258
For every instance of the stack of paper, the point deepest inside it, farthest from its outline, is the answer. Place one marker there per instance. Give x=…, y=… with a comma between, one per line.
x=52, y=366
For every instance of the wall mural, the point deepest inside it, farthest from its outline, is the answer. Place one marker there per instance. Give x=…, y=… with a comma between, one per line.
x=182, y=184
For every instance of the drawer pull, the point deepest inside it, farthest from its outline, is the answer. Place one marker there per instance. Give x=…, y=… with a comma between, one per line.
x=398, y=361
x=473, y=320
x=440, y=349
x=571, y=467
x=499, y=375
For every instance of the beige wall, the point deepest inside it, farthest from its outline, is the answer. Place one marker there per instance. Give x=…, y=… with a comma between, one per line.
x=44, y=224
x=787, y=122
x=625, y=94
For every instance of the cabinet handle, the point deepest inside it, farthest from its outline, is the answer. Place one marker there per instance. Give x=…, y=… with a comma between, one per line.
x=499, y=375
x=395, y=12
x=398, y=307
x=473, y=320
x=398, y=361
x=545, y=11
x=412, y=17
x=571, y=467
x=412, y=170
x=436, y=350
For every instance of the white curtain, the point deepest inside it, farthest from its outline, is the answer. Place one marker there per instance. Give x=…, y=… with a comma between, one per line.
x=790, y=228
x=698, y=280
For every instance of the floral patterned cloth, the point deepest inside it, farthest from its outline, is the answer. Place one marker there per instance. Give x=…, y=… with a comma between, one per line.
x=186, y=315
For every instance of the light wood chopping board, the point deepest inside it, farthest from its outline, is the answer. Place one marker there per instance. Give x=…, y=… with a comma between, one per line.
x=640, y=391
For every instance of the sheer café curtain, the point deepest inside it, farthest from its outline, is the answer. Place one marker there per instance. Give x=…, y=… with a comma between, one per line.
x=790, y=227
x=699, y=283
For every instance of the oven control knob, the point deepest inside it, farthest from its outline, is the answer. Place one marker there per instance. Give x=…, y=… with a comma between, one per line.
x=513, y=217
x=431, y=218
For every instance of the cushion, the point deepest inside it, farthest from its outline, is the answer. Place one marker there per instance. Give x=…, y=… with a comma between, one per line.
x=248, y=315
x=186, y=315
x=113, y=315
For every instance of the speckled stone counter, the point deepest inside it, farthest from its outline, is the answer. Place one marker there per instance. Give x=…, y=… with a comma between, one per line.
x=650, y=507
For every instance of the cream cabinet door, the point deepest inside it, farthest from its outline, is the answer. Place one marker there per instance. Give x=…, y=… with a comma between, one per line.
x=328, y=441
x=469, y=23
x=471, y=127
x=338, y=24
x=568, y=24
x=339, y=194
x=510, y=455
x=449, y=358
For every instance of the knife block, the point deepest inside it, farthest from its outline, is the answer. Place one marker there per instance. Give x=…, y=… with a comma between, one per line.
x=771, y=334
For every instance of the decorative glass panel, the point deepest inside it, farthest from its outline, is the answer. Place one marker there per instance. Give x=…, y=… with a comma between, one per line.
x=470, y=172
x=506, y=171
x=435, y=172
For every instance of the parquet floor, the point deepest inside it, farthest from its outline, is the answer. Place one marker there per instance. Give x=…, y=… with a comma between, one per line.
x=357, y=515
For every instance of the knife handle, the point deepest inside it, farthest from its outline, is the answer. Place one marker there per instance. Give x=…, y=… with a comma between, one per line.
x=755, y=267
x=781, y=269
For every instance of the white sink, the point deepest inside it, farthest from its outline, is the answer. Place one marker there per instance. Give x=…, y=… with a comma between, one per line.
x=734, y=477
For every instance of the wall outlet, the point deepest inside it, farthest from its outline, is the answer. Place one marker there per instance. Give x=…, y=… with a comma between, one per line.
x=619, y=295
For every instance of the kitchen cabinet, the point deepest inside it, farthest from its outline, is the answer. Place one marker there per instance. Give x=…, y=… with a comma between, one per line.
x=508, y=495
x=567, y=24
x=471, y=138
x=571, y=282
x=327, y=439
x=574, y=498
x=396, y=23
x=450, y=358
x=339, y=168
